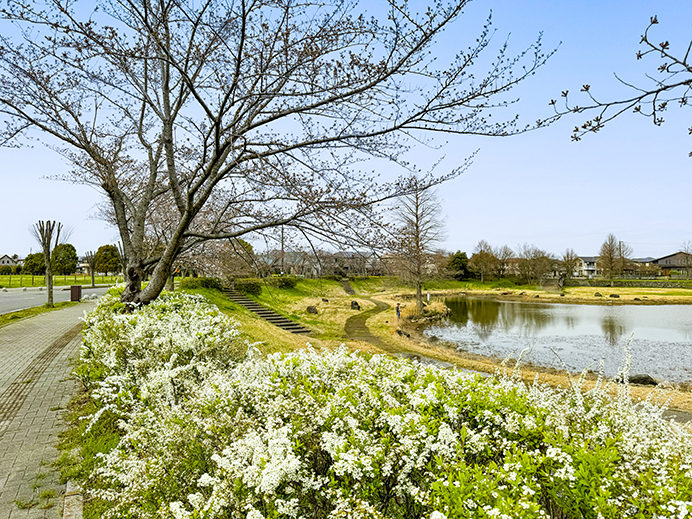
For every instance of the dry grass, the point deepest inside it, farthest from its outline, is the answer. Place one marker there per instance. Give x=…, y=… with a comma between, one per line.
x=384, y=325
x=586, y=295
x=333, y=314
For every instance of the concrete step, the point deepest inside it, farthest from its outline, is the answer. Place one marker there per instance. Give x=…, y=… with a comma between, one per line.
x=265, y=313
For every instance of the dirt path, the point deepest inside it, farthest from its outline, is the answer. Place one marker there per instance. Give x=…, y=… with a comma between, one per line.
x=356, y=328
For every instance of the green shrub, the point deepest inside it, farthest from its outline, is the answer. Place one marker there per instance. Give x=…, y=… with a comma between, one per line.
x=251, y=286
x=283, y=281
x=508, y=282
x=5, y=270
x=17, y=270
x=332, y=277
x=190, y=283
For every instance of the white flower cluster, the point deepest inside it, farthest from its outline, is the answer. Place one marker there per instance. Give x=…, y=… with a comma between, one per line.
x=156, y=352
x=342, y=435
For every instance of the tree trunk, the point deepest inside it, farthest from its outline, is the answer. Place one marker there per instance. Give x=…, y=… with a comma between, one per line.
x=419, y=297
x=49, y=274
x=49, y=287
x=133, y=289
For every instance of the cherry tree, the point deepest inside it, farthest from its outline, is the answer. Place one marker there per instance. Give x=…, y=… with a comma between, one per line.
x=225, y=119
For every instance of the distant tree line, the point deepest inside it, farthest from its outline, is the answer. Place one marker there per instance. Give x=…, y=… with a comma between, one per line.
x=532, y=265
x=64, y=262
x=528, y=264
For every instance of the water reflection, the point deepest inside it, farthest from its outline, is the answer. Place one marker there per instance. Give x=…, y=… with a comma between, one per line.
x=613, y=329
x=487, y=315
x=581, y=335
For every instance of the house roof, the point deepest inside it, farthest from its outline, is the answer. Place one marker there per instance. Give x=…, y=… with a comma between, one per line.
x=668, y=256
x=15, y=261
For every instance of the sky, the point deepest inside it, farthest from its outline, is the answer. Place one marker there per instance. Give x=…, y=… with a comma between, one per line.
x=631, y=179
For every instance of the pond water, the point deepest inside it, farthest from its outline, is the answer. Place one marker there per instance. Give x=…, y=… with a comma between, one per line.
x=575, y=337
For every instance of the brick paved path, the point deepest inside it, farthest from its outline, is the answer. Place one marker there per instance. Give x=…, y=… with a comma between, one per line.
x=34, y=389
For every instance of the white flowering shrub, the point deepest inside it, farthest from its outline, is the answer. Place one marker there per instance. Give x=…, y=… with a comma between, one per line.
x=342, y=435
x=158, y=351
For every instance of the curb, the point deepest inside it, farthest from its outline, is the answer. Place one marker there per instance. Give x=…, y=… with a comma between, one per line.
x=72, y=508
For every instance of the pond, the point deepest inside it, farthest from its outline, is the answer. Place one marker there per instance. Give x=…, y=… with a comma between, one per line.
x=575, y=337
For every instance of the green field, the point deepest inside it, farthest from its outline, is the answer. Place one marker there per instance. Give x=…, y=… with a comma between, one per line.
x=22, y=280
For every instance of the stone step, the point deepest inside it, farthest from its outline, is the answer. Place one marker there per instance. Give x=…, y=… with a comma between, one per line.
x=265, y=313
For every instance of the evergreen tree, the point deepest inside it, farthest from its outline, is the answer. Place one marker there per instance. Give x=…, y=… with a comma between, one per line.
x=64, y=259
x=107, y=259
x=459, y=265
x=34, y=264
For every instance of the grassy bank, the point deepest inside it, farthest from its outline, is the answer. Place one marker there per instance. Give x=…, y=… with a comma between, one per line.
x=570, y=295
x=13, y=317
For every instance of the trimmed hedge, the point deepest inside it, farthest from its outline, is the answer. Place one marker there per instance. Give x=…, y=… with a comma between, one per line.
x=283, y=281
x=189, y=283
x=251, y=286
x=633, y=283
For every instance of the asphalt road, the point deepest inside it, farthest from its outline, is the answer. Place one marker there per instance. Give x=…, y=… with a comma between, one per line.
x=17, y=299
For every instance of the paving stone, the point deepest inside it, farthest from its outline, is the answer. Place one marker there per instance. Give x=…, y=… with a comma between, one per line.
x=35, y=378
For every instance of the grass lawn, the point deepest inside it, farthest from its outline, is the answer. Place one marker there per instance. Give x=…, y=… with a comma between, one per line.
x=269, y=338
x=12, y=317
x=21, y=280
x=328, y=323
x=627, y=294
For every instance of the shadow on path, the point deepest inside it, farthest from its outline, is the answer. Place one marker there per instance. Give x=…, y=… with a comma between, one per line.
x=348, y=288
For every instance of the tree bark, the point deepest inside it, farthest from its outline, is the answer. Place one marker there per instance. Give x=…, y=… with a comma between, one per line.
x=132, y=294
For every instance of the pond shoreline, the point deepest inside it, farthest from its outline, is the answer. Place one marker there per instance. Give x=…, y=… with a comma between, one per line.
x=677, y=396
x=571, y=296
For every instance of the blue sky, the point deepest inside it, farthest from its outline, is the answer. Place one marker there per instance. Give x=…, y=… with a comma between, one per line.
x=632, y=178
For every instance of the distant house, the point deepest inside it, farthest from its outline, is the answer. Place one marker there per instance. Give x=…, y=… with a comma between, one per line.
x=348, y=263
x=587, y=268
x=12, y=261
x=645, y=268
x=679, y=261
